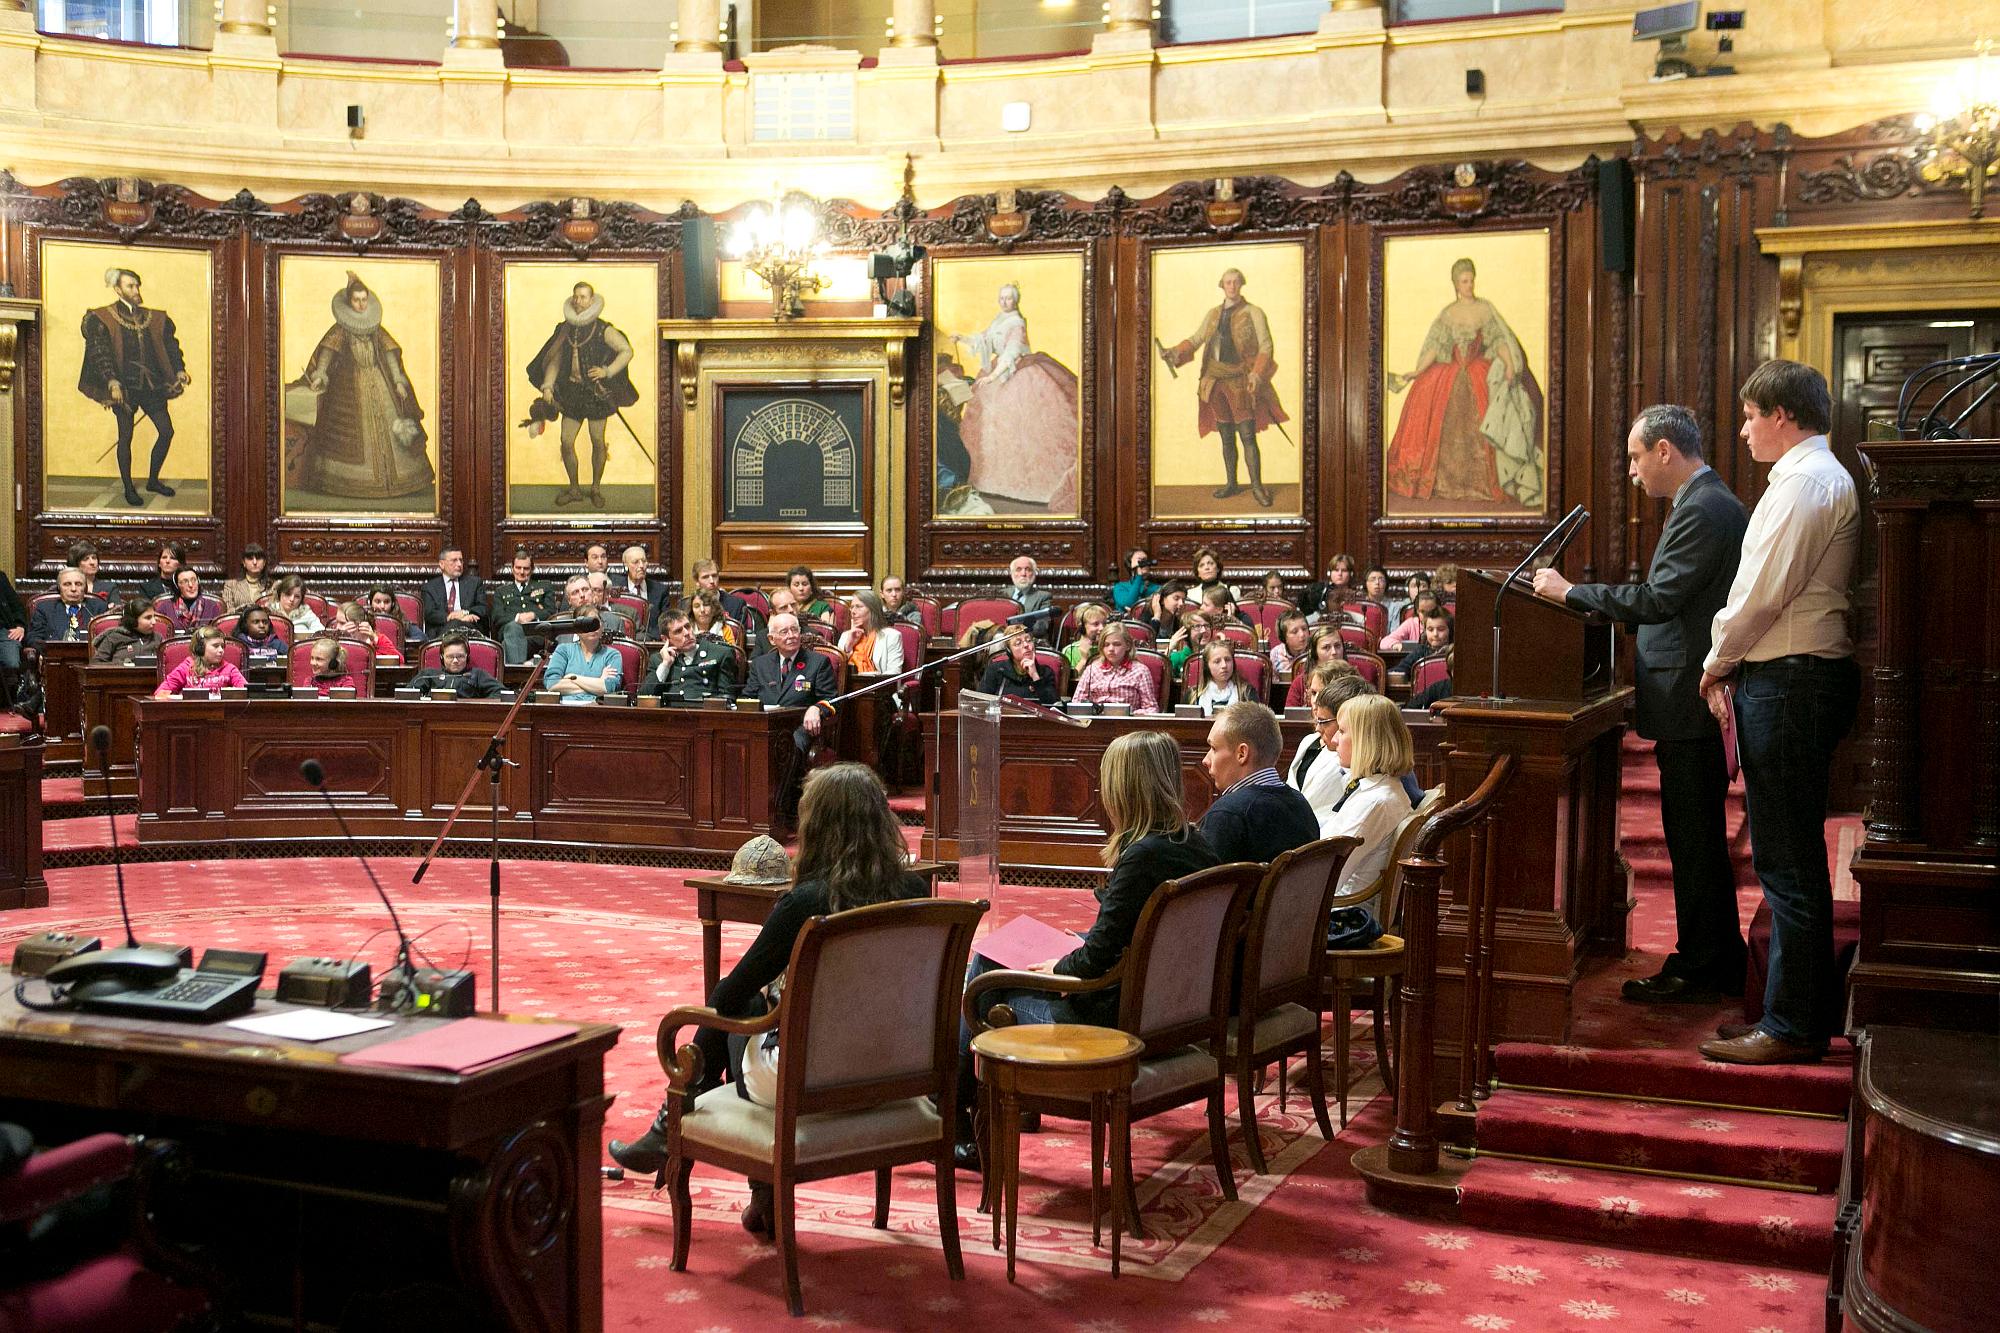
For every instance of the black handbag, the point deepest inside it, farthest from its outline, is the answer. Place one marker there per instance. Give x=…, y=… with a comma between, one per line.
x=1351, y=928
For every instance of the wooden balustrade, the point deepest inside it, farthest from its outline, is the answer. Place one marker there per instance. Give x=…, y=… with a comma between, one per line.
x=1413, y=1146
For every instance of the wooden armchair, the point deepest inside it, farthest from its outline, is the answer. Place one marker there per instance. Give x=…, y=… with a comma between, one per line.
x=868, y=1041
x=1173, y=994
x=1284, y=965
x=1382, y=961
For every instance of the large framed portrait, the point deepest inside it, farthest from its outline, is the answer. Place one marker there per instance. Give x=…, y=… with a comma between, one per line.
x=358, y=353
x=583, y=392
x=1007, y=436
x=128, y=408
x=1465, y=353
x=1227, y=380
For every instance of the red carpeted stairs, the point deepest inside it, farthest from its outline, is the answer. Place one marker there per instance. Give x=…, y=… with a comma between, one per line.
x=1635, y=1140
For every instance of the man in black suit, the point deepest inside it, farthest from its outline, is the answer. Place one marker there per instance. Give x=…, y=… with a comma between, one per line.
x=690, y=669
x=790, y=676
x=1692, y=568
x=708, y=578
x=633, y=579
x=1256, y=817
x=66, y=617
x=454, y=598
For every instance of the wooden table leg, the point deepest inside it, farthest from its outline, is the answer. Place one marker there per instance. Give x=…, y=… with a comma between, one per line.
x=1010, y=1129
x=1121, y=1170
x=1097, y=1110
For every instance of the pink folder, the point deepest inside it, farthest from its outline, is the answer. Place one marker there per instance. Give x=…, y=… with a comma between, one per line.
x=461, y=1046
x=1023, y=942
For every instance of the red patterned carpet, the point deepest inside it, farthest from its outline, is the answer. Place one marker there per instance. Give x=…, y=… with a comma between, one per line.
x=1301, y=1248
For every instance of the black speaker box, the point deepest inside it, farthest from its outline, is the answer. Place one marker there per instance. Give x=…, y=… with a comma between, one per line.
x=700, y=275
x=1614, y=214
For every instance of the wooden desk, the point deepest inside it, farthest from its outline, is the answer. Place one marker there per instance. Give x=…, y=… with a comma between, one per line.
x=589, y=777
x=717, y=900
x=21, y=881
x=1050, y=817
x=62, y=699
x=320, y=1182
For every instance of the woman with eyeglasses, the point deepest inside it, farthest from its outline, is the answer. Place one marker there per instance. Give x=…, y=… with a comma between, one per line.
x=1316, y=772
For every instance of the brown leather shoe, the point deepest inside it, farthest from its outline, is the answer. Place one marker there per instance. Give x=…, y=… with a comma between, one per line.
x=1759, y=1047
x=1731, y=1031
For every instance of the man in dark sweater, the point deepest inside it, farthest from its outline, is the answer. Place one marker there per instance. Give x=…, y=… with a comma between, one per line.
x=1256, y=817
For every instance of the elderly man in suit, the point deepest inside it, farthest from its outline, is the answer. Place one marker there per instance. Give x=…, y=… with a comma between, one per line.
x=791, y=675
x=67, y=618
x=1020, y=589
x=454, y=599
x=1692, y=568
x=632, y=578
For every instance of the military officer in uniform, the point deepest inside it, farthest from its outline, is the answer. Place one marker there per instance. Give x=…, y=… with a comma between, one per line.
x=689, y=669
x=1236, y=396
x=518, y=602
x=580, y=371
x=132, y=363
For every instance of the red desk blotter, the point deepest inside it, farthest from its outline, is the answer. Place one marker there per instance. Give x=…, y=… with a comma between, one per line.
x=460, y=1046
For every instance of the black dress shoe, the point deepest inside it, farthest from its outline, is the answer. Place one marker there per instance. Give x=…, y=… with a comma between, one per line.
x=1224, y=492
x=133, y=498
x=158, y=487
x=965, y=1156
x=757, y=1212
x=1262, y=496
x=1665, y=988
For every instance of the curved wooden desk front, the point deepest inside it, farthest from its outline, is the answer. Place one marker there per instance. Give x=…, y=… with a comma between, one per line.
x=589, y=777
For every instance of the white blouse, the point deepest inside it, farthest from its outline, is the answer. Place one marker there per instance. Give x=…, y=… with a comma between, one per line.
x=1322, y=780
x=1371, y=814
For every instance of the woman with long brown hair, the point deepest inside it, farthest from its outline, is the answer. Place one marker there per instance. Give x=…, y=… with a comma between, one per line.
x=851, y=854
x=1139, y=786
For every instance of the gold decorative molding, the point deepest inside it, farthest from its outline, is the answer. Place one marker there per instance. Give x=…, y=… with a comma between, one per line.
x=1827, y=271
x=14, y=312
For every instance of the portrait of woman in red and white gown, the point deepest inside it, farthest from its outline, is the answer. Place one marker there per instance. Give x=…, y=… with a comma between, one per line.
x=1471, y=429
x=1018, y=422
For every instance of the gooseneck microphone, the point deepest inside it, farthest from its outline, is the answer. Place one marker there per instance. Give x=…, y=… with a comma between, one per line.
x=568, y=625
x=403, y=975
x=1027, y=616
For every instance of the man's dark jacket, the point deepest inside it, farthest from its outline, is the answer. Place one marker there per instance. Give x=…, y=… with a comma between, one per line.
x=1254, y=823
x=1693, y=566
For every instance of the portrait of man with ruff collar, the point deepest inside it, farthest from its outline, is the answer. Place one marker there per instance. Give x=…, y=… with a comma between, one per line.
x=361, y=399
x=582, y=392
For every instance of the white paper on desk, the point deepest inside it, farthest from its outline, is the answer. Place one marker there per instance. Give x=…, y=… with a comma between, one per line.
x=309, y=1024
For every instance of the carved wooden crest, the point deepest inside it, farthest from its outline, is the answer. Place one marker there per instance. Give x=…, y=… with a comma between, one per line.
x=582, y=227
x=125, y=208
x=1006, y=221
x=358, y=220
x=1225, y=212
x=1464, y=196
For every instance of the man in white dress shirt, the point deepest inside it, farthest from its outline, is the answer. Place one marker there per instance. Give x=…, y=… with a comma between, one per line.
x=1780, y=645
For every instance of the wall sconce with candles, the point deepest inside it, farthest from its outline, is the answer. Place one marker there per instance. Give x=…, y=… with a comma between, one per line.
x=1961, y=137
x=779, y=242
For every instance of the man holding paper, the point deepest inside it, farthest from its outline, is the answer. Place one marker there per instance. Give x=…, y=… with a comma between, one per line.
x=1151, y=843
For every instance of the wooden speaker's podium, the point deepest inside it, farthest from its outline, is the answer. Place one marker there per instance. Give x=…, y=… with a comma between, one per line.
x=1563, y=889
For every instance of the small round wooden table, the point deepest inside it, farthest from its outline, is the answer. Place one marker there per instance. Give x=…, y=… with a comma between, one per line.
x=1067, y=1060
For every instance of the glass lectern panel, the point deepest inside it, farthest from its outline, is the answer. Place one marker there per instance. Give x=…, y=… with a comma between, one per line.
x=979, y=798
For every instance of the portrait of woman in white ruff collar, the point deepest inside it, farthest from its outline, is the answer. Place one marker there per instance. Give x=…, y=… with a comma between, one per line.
x=356, y=412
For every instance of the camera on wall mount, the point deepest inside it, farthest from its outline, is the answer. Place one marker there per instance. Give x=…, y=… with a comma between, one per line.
x=896, y=262
x=1669, y=25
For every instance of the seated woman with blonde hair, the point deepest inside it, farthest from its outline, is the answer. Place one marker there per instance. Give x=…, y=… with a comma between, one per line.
x=851, y=854
x=1374, y=748
x=1152, y=841
x=203, y=668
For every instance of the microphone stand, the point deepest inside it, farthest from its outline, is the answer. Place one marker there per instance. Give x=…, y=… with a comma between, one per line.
x=491, y=763
x=936, y=777
x=1570, y=522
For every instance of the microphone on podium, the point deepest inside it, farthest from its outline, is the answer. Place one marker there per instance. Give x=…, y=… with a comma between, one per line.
x=567, y=625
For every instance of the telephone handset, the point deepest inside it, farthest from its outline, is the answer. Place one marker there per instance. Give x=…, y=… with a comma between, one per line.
x=106, y=972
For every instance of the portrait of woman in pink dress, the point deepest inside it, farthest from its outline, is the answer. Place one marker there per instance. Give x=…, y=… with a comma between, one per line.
x=1017, y=418
x=1471, y=428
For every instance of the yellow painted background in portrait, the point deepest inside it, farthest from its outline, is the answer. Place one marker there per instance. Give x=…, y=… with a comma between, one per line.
x=75, y=429
x=1512, y=273
x=965, y=296
x=533, y=296
x=1184, y=291
x=408, y=291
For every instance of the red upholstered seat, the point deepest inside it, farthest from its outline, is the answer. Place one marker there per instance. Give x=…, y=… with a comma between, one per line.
x=1142, y=635
x=392, y=627
x=99, y=624
x=226, y=622
x=1358, y=636
x=631, y=663
x=1238, y=633
x=480, y=652
x=1371, y=668
x=1428, y=673
x=1048, y=659
x=1155, y=662
x=755, y=600
x=1252, y=668
x=103, y=1291
x=929, y=612
x=13, y=724
x=1373, y=614
x=412, y=607
x=913, y=643
x=1265, y=615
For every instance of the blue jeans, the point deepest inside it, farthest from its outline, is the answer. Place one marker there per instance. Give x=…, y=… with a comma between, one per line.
x=1029, y=1006
x=1790, y=714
